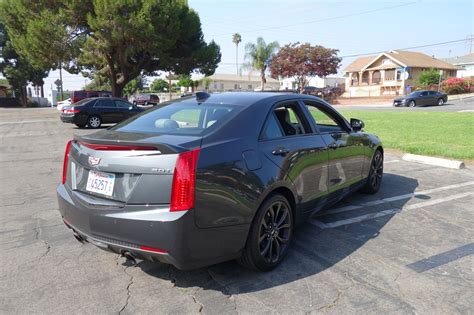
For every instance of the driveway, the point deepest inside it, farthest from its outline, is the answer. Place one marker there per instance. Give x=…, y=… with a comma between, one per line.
x=407, y=249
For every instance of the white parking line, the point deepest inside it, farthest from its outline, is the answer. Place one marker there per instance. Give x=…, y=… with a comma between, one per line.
x=395, y=198
x=466, y=111
x=374, y=215
x=26, y=121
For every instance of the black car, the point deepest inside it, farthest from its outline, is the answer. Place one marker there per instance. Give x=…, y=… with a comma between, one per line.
x=214, y=177
x=94, y=112
x=421, y=98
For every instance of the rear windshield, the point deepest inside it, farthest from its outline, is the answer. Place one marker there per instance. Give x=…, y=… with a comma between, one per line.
x=79, y=94
x=186, y=118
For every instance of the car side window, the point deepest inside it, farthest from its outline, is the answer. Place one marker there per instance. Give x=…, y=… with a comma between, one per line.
x=104, y=104
x=122, y=104
x=286, y=120
x=423, y=93
x=325, y=121
x=273, y=129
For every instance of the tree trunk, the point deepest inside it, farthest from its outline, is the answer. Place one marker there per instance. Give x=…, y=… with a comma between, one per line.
x=169, y=84
x=262, y=75
x=117, y=89
x=42, y=90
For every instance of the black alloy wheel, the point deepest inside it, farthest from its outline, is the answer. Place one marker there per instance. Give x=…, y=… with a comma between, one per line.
x=375, y=175
x=412, y=104
x=440, y=102
x=270, y=235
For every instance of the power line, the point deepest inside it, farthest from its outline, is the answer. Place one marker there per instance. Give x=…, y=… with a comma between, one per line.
x=322, y=20
x=408, y=48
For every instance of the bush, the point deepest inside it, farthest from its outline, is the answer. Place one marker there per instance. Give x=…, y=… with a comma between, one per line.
x=457, y=85
x=428, y=77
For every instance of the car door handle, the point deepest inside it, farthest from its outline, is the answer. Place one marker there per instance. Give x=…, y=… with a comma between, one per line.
x=280, y=151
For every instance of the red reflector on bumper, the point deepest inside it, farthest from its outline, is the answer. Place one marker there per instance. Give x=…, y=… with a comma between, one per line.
x=155, y=250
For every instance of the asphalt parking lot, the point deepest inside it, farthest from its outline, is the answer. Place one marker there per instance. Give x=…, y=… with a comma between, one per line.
x=407, y=249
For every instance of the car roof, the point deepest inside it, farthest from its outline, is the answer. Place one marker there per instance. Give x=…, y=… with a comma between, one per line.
x=246, y=99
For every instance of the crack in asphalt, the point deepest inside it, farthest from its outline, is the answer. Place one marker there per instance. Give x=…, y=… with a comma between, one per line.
x=48, y=247
x=130, y=282
x=225, y=290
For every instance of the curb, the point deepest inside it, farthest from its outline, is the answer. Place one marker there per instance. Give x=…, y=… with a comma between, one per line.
x=455, y=164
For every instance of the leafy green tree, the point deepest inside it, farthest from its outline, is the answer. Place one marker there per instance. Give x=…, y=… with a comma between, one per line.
x=159, y=85
x=428, y=77
x=120, y=38
x=236, y=39
x=134, y=85
x=206, y=82
x=16, y=69
x=259, y=56
x=185, y=81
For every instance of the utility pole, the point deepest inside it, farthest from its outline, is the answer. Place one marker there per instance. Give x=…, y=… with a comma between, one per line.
x=61, y=79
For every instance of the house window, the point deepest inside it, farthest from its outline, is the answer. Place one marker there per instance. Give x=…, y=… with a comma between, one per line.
x=215, y=86
x=399, y=75
x=355, y=79
x=376, y=77
x=236, y=86
x=250, y=86
x=222, y=86
x=365, y=78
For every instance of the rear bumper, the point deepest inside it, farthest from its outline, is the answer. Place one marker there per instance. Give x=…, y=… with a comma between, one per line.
x=128, y=228
x=74, y=119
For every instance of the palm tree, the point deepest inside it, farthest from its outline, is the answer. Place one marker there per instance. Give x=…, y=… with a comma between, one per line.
x=236, y=39
x=259, y=56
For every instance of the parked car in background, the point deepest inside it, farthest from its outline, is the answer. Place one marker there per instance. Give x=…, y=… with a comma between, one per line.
x=76, y=96
x=210, y=190
x=421, y=98
x=61, y=104
x=146, y=99
x=94, y=112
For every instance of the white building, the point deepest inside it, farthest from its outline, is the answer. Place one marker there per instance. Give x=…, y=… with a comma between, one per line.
x=465, y=65
x=232, y=82
x=330, y=81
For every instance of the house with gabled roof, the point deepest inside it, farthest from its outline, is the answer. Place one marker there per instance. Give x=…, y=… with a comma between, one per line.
x=391, y=73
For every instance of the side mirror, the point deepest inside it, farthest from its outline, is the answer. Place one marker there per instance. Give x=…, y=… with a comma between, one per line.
x=357, y=124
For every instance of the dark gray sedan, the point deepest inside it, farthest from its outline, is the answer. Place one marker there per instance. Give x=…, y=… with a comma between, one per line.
x=211, y=178
x=421, y=98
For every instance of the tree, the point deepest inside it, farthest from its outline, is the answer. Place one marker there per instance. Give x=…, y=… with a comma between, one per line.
x=259, y=56
x=428, y=77
x=120, y=38
x=159, y=85
x=134, y=85
x=302, y=61
x=236, y=39
x=16, y=69
x=206, y=82
x=185, y=81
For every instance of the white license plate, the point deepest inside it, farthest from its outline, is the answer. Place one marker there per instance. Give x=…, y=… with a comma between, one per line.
x=101, y=183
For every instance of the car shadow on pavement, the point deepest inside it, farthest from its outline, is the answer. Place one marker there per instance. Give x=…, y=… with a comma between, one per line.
x=312, y=251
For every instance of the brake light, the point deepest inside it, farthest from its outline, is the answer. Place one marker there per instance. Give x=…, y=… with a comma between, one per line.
x=113, y=147
x=66, y=159
x=70, y=110
x=184, y=178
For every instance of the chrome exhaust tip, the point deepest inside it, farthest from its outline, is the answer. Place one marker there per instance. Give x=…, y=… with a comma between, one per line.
x=130, y=257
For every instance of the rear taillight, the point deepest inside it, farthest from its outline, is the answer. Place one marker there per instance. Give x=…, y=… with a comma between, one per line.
x=184, y=178
x=66, y=159
x=113, y=147
x=70, y=110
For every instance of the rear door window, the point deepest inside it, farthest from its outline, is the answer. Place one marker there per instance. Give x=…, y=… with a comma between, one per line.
x=104, y=104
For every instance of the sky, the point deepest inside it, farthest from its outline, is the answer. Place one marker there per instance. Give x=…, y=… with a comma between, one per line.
x=352, y=27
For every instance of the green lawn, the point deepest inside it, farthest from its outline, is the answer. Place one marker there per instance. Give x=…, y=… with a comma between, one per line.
x=429, y=133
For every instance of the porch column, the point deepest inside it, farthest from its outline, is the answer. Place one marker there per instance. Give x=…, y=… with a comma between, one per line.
x=370, y=76
x=360, y=77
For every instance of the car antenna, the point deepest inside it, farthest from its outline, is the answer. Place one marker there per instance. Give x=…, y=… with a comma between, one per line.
x=202, y=96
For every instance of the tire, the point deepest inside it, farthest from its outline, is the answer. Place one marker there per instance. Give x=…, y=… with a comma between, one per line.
x=94, y=122
x=440, y=102
x=81, y=125
x=266, y=245
x=412, y=103
x=374, y=180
